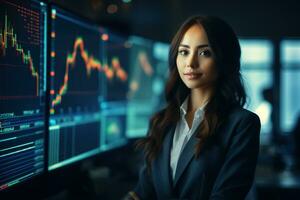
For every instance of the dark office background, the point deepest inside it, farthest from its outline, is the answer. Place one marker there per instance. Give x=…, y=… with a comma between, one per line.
x=270, y=26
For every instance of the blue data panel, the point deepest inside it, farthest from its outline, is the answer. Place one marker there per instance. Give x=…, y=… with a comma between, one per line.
x=22, y=90
x=147, y=75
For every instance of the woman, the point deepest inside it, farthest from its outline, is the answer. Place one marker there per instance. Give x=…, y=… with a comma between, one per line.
x=203, y=145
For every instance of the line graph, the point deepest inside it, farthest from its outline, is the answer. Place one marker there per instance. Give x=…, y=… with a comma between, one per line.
x=79, y=65
x=90, y=64
x=116, y=52
x=8, y=39
x=115, y=70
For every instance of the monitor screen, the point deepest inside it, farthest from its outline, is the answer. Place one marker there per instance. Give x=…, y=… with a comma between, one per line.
x=22, y=90
x=75, y=89
x=115, y=87
x=147, y=75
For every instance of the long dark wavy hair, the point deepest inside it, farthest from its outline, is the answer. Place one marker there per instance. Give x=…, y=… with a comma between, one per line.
x=229, y=90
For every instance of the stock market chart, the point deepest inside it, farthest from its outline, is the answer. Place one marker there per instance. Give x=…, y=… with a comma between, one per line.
x=22, y=90
x=75, y=89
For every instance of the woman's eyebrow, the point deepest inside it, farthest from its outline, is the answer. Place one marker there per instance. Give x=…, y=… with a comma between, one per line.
x=199, y=46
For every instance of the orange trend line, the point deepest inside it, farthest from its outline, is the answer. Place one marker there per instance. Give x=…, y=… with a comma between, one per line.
x=145, y=64
x=26, y=57
x=90, y=64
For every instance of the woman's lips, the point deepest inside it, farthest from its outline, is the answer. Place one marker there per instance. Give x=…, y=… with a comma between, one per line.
x=192, y=76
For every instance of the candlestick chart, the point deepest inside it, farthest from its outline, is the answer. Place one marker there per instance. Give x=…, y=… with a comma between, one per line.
x=21, y=53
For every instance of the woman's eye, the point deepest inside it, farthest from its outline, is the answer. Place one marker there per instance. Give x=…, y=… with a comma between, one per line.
x=183, y=52
x=205, y=53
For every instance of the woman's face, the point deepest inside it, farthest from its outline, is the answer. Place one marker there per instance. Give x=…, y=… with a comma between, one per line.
x=195, y=59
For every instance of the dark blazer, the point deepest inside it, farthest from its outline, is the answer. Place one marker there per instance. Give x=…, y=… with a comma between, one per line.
x=224, y=169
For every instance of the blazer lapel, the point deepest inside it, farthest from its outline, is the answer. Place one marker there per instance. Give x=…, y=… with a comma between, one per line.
x=162, y=163
x=185, y=157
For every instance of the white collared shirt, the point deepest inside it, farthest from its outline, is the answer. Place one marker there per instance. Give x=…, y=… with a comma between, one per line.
x=183, y=133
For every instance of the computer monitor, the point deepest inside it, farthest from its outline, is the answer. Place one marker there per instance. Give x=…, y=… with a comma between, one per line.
x=115, y=87
x=22, y=90
x=147, y=76
x=75, y=89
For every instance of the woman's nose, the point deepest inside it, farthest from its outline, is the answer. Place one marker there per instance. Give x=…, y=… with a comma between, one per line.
x=192, y=61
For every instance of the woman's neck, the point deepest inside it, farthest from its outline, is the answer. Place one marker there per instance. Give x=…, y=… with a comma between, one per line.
x=198, y=98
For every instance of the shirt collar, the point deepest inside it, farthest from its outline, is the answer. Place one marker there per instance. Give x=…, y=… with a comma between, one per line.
x=183, y=108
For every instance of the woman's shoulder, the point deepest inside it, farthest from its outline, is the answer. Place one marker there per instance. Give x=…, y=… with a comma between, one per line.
x=239, y=122
x=240, y=113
